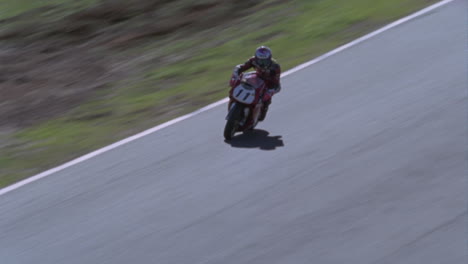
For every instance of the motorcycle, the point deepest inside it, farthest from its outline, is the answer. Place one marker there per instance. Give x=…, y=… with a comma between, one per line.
x=248, y=92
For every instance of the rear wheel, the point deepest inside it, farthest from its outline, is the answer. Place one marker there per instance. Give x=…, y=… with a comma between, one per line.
x=233, y=122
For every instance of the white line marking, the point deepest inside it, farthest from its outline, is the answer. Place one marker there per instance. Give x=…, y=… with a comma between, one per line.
x=213, y=105
x=368, y=36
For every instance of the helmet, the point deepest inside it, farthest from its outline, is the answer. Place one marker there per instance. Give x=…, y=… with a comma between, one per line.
x=263, y=56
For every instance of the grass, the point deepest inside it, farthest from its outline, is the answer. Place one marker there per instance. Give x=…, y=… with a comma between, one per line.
x=11, y=8
x=196, y=75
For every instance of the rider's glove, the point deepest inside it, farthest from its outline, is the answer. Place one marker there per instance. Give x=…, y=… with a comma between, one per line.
x=275, y=89
x=235, y=75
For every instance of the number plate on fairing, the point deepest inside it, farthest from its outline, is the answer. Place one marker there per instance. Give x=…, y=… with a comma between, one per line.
x=244, y=94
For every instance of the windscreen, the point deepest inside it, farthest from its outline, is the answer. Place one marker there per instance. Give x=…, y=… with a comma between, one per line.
x=252, y=80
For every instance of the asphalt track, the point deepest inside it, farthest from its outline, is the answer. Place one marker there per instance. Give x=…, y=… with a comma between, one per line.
x=362, y=159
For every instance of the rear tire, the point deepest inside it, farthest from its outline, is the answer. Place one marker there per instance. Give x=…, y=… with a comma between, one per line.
x=233, y=122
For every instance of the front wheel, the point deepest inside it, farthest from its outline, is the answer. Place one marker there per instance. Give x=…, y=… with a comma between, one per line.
x=233, y=122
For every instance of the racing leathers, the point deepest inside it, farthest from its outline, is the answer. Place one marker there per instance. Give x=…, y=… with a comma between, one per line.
x=271, y=75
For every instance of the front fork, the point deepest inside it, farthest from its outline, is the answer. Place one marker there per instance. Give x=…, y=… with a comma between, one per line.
x=231, y=111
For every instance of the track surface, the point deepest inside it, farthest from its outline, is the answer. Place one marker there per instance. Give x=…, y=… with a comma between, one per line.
x=363, y=162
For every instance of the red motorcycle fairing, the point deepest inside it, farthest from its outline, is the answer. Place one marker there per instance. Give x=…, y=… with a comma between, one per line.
x=249, y=79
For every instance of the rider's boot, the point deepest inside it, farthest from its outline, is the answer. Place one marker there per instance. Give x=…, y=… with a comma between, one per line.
x=264, y=111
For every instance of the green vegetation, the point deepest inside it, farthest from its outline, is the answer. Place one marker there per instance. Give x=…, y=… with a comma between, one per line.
x=195, y=72
x=10, y=8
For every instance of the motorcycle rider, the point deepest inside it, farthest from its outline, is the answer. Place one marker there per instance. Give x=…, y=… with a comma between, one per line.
x=267, y=68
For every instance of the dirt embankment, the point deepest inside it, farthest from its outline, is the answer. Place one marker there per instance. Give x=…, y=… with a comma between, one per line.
x=49, y=66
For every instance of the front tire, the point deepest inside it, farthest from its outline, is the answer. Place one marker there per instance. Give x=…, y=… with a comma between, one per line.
x=233, y=122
